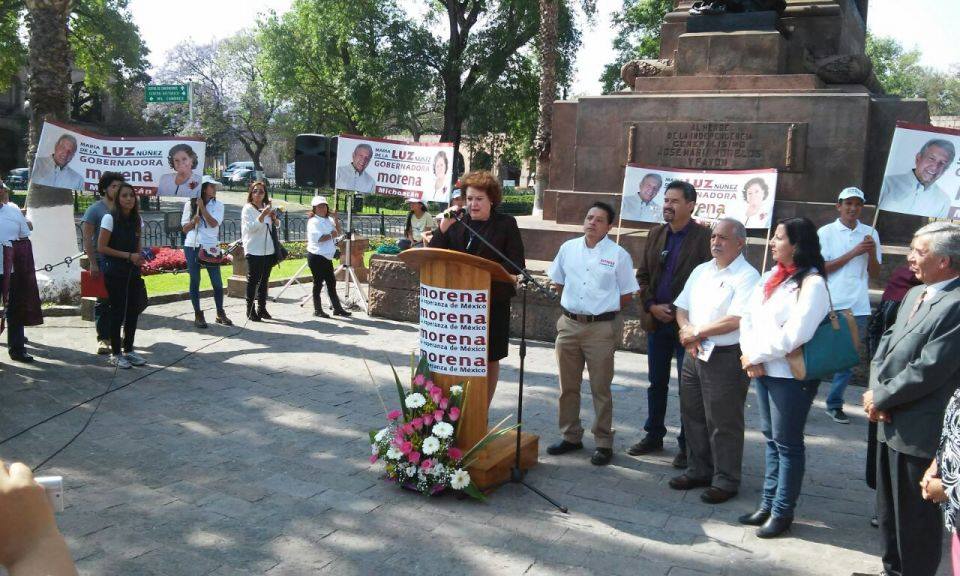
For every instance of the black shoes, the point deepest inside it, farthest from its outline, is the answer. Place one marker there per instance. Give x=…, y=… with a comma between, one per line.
x=342, y=312
x=21, y=356
x=774, y=526
x=601, y=457
x=320, y=313
x=562, y=447
x=680, y=460
x=264, y=315
x=252, y=313
x=684, y=482
x=714, y=495
x=645, y=446
x=758, y=518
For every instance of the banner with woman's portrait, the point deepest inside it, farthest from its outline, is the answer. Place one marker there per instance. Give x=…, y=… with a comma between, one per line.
x=923, y=172
x=746, y=195
x=74, y=159
x=393, y=168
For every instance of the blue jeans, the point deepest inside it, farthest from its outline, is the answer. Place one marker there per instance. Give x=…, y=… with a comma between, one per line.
x=193, y=266
x=784, y=404
x=842, y=378
x=662, y=346
x=101, y=310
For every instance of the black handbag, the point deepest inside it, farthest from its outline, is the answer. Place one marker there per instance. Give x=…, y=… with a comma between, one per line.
x=279, y=252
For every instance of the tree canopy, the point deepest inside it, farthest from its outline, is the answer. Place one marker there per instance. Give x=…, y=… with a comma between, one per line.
x=900, y=74
x=637, y=27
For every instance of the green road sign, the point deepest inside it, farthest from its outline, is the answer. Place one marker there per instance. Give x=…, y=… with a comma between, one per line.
x=167, y=93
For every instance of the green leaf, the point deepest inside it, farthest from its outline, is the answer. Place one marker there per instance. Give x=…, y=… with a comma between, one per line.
x=373, y=434
x=492, y=435
x=400, y=393
x=423, y=369
x=474, y=492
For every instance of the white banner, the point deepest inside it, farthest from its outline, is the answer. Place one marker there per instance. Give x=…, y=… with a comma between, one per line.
x=164, y=166
x=453, y=330
x=923, y=174
x=746, y=195
x=393, y=168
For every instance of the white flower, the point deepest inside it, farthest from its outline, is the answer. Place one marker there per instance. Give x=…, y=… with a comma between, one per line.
x=442, y=430
x=430, y=445
x=438, y=471
x=374, y=449
x=459, y=479
x=415, y=400
x=393, y=453
x=456, y=390
x=381, y=435
x=411, y=471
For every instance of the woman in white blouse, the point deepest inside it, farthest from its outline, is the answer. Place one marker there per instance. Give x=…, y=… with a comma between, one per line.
x=256, y=218
x=322, y=229
x=201, y=223
x=783, y=314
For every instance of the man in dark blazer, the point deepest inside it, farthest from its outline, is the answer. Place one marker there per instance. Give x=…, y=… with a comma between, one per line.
x=912, y=376
x=670, y=254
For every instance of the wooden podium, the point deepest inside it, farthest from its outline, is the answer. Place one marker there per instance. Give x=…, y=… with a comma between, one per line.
x=453, y=271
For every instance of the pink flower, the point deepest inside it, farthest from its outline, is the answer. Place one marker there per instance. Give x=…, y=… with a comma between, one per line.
x=426, y=465
x=394, y=414
x=373, y=458
x=407, y=448
x=408, y=428
x=454, y=414
x=414, y=457
x=436, y=394
x=438, y=415
x=427, y=419
x=418, y=380
x=444, y=402
x=429, y=385
x=454, y=453
x=417, y=423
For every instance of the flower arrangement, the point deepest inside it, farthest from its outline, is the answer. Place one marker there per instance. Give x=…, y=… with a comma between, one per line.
x=418, y=444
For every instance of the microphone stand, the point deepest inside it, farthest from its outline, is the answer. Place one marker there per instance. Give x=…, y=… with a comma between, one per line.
x=516, y=473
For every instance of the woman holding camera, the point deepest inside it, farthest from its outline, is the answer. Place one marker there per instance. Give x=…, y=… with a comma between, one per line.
x=256, y=220
x=201, y=223
x=783, y=314
x=119, y=243
x=322, y=229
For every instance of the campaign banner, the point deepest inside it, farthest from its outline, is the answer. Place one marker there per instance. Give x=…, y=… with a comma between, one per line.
x=394, y=168
x=453, y=330
x=923, y=174
x=746, y=195
x=154, y=166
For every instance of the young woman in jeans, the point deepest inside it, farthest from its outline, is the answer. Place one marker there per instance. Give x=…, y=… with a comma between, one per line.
x=322, y=228
x=256, y=219
x=119, y=243
x=783, y=314
x=201, y=223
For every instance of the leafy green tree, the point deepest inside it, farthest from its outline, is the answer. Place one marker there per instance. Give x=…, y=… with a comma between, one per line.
x=900, y=73
x=638, y=37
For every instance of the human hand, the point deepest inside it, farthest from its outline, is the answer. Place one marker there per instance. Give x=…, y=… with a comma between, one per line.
x=932, y=489
x=94, y=268
x=662, y=312
x=136, y=258
x=29, y=540
x=755, y=371
x=867, y=401
x=693, y=349
x=688, y=335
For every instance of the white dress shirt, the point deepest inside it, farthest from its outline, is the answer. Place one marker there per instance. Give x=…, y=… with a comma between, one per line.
x=771, y=329
x=634, y=208
x=47, y=173
x=593, y=279
x=711, y=293
x=849, y=284
x=349, y=179
x=317, y=227
x=203, y=234
x=13, y=226
x=905, y=194
x=255, y=234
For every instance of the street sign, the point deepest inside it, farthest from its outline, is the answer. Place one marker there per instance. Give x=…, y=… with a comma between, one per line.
x=167, y=93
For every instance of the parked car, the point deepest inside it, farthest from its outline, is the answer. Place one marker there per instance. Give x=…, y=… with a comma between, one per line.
x=18, y=178
x=233, y=168
x=243, y=176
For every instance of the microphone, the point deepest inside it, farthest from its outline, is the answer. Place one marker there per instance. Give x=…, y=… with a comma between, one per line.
x=456, y=213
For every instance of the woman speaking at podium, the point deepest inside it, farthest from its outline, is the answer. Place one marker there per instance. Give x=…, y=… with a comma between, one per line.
x=483, y=195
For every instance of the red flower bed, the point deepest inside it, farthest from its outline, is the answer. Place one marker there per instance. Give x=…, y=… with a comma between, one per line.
x=166, y=259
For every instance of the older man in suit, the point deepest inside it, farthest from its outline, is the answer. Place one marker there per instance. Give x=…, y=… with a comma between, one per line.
x=670, y=254
x=912, y=376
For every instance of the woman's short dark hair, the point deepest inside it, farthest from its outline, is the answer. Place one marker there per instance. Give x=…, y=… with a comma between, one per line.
x=258, y=183
x=689, y=192
x=106, y=179
x=611, y=213
x=802, y=234
x=759, y=182
x=182, y=148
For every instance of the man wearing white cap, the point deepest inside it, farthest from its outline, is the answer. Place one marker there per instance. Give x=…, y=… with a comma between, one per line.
x=851, y=250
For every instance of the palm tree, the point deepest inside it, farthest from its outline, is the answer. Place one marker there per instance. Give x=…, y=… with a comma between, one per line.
x=547, y=50
x=48, y=89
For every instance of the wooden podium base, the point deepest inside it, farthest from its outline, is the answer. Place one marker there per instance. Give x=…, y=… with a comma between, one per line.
x=492, y=467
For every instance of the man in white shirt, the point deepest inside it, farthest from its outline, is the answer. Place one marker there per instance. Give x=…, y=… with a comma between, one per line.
x=916, y=192
x=595, y=278
x=54, y=171
x=641, y=206
x=13, y=226
x=851, y=250
x=713, y=387
x=353, y=176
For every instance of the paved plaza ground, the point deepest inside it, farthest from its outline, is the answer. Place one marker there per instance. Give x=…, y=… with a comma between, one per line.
x=249, y=455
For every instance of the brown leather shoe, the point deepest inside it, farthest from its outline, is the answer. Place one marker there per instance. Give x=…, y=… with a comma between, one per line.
x=684, y=482
x=714, y=495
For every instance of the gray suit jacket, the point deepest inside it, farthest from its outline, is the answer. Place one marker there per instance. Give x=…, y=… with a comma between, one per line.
x=916, y=369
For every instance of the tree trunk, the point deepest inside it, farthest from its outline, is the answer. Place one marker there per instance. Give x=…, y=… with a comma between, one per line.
x=48, y=84
x=547, y=47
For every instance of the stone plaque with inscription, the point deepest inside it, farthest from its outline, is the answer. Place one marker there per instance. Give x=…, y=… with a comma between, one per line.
x=721, y=145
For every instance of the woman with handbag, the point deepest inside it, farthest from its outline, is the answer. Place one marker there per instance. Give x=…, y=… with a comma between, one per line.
x=784, y=312
x=119, y=243
x=201, y=223
x=322, y=229
x=256, y=223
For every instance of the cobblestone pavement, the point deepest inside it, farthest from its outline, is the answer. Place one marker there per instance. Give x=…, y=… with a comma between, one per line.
x=248, y=455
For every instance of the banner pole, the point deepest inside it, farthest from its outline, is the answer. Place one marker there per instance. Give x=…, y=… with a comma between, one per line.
x=766, y=251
